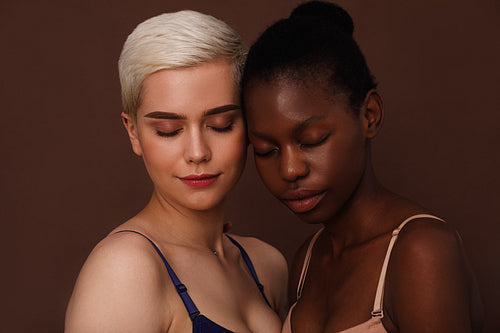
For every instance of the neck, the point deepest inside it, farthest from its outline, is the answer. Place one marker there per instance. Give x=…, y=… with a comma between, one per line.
x=360, y=218
x=181, y=226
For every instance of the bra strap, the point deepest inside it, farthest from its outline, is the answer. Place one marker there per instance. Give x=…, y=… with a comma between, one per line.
x=307, y=260
x=378, y=304
x=247, y=260
x=181, y=288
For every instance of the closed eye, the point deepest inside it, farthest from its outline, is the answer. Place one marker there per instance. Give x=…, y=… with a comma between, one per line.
x=314, y=143
x=222, y=129
x=168, y=134
x=265, y=153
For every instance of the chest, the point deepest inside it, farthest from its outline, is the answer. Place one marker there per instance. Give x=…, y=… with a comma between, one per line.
x=339, y=291
x=227, y=296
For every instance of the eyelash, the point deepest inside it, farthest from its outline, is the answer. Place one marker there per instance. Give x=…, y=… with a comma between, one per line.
x=314, y=144
x=266, y=154
x=216, y=129
x=223, y=129
x=168, y=134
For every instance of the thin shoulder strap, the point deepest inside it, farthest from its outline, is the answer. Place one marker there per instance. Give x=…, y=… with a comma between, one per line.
x=247, y=260
x=307, y=260
x=181, y=288
x=378, y=304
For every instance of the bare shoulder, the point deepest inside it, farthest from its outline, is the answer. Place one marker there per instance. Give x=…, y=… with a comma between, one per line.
x=271, y=268
x=262, y=253
x=119, y=288
x=428, y=241
x=428, y=274
x=123, y=255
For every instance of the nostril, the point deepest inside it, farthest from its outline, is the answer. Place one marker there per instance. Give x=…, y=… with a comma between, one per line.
x=197, y=149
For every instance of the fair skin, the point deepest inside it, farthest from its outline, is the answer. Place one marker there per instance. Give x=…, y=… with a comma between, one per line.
x=312, y=151
x=189, y=124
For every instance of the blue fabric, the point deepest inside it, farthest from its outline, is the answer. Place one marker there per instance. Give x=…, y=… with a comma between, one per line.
x=247, y=260
x=202, y=324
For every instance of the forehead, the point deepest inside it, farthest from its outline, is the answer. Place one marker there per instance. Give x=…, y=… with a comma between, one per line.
x=189, y=89
x=272, y=102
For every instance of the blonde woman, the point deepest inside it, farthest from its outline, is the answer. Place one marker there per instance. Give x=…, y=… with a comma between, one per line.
x=171, y=268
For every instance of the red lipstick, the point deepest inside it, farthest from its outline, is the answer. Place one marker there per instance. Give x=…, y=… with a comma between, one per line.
x=197, y=181
x=302, y=201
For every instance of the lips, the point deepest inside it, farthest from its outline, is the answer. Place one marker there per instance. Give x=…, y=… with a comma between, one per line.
x=198, y=181
x=302, y=201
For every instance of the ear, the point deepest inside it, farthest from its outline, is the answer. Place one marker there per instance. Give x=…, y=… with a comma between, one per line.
x=372, y=113
x=131, y=128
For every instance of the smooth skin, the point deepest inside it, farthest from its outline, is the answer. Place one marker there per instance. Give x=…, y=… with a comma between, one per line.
x=189, y=123
x=306, y=140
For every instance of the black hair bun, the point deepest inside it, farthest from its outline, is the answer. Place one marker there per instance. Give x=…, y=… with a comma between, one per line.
x=325, y=11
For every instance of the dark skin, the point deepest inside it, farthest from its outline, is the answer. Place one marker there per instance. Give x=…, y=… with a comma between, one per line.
x=312, y=151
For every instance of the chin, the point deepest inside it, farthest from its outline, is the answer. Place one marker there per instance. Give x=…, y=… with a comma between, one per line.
x=309, y=218
x=206, y=205
x=203, y=207
x=315, y=216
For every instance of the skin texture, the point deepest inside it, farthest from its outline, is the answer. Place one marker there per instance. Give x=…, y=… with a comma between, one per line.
x=189, y=123
x=314, y=147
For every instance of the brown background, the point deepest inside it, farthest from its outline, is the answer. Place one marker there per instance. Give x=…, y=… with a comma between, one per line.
x=68, y=175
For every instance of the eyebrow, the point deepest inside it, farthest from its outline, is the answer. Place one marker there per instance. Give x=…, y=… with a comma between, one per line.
x=297, y=128
x=221, y=109
x=209, y=112
x=301, y=126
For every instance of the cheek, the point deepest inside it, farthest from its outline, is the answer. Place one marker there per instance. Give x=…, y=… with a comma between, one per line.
x=233, y=149
x=154, y=149
x=156, y=153
x=268, y=170
x=343, y=165
x=158, y=162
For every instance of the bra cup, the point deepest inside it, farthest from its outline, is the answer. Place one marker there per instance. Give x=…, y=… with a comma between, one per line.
x=202, y=324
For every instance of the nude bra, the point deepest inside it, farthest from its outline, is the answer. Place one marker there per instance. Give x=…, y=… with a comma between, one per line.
x=374, y=324
x=202, y=324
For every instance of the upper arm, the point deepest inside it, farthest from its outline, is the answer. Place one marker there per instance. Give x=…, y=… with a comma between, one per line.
x=119, y=289
x=427, y=286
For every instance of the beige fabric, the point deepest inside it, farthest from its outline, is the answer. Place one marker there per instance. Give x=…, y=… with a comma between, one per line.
x=374, y=324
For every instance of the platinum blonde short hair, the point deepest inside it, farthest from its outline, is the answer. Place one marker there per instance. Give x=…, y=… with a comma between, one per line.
x=175, y=40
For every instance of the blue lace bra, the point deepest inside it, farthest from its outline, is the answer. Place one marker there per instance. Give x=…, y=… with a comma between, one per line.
x=202, y=324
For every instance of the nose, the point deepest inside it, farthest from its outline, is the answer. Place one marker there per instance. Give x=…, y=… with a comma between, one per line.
x=197, y=149
x=292, y=166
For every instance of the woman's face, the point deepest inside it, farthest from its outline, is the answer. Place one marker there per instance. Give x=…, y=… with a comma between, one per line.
x=191, y=134
x=309, y=147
